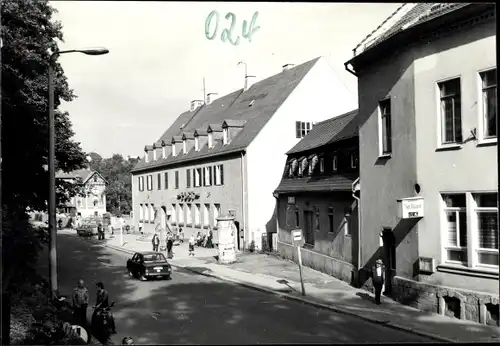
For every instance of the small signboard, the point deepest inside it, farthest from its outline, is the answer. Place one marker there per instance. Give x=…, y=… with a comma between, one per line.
x=412, y=207
x=297, y=234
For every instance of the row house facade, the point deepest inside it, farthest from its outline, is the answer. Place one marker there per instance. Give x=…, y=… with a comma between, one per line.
x=428, y=157
x=94, y=201
x=225, y=156
x=316, y=196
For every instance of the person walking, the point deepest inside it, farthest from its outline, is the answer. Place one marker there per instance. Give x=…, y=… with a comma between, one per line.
x=156, y=242
x=378, y=277
x=102, y=302
x=100, y=231
x=170, y=244
x=191, y=245
x=80, y=303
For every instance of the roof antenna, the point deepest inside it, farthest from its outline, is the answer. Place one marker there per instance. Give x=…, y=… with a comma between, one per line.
x=246, y=75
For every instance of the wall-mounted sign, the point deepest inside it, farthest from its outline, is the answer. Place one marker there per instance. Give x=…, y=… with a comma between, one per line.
x=412, y=207
x=291, y=199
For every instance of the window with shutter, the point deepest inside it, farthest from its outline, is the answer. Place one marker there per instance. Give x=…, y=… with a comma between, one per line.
x=222, y=174
x=159, y=181
x=203, y=177
x=194, y=178
x=188, y=178
x=176, y=179
x=166, y=180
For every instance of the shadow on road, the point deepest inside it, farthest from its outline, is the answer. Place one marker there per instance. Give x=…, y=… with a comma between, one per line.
x=194, y=309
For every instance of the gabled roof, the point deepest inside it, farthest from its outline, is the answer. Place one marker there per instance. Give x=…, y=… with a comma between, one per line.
x=317, y=184
x=200, y=132
x=267, y=96
x=177, y=139
x=84, y=174
x=329, y=131
x=148, y=148
x=158, y=144
x=407, y=16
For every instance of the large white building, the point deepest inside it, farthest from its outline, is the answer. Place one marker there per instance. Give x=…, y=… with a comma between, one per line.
x=227, y=156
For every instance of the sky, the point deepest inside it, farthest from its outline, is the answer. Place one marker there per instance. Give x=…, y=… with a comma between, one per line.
x=159, y=54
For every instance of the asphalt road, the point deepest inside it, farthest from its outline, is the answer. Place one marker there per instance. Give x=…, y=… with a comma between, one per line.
x=194, y=309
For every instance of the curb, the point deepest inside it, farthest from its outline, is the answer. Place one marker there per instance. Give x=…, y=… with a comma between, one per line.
x=299, y=299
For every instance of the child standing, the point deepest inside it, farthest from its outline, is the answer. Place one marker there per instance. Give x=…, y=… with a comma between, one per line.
x=191, y=245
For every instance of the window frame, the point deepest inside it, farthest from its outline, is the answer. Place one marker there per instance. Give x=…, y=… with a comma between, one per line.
x=176, y=179
x=440, y=114
x=225, y=136
x=446, y=246
x=158, y=183
x=302, y=128
x=483, y=139
x=188, y=178
x=165, y=181
x=331, y=220
x=149, y=182
x=385, y=104
x=476, y=210
x=141, y=183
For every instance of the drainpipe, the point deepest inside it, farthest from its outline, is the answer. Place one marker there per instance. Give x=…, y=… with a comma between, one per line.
x=350, y=70
x=243, y=200
x=359, y=226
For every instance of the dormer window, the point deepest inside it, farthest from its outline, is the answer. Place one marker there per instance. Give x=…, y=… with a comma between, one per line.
x=154, y=154
x=146, y=156
x=173, y=150
x=184, y=147
x=224, y=136
x=210, y=140
x=196, y=144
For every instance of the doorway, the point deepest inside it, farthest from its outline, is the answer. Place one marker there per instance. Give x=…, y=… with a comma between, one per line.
x=308, y=227
x=389, y=251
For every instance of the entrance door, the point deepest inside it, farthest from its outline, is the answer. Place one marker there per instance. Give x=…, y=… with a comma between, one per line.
x=389, y=244
x=308, y=227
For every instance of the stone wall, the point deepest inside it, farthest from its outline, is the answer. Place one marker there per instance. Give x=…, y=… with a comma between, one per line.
x=473, y=306
x=320, y=262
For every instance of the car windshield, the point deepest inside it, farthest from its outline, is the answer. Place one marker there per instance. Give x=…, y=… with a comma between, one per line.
x=154, y=258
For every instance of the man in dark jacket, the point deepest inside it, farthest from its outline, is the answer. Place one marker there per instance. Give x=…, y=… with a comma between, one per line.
x=102, y=302
x=80, y=303
x=378, y=277
x=100, y=232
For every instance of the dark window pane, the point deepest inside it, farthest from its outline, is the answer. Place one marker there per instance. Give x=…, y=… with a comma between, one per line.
x=488, y=230
x=486, y=200
x=489, y=78
x=457, y=255
x=454, y=200
x=488, y=258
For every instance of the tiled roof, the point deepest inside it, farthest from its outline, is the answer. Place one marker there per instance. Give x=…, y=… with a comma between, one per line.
x=83, y=174
x=174, y=129
x=267, y=96
x=329, y=131
x=412, y=15
x=316, y=184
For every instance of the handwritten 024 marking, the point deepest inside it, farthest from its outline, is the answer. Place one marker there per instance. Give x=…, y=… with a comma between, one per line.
x=247, y=31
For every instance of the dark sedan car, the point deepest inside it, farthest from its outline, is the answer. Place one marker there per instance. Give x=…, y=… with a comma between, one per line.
x=149, y=264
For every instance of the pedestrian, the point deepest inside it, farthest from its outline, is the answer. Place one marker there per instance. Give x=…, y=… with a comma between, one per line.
x=210, y=244
x=100, y=231
x=378, y=278
x=170, y=244
x=102, y=302
x=181, y=235
x=191, y=245
x=80, y=303
x=156, y=242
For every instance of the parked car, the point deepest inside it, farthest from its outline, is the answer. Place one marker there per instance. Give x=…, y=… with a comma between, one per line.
x=87, y=228
x=149, y=264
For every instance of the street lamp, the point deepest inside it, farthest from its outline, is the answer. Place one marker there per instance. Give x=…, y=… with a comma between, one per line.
x=52, y=173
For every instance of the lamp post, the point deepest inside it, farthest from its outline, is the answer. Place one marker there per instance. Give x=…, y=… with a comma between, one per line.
x=51, y=165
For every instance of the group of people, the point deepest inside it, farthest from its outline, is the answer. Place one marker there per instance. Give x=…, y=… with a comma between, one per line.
x=81, y=302
x=169, y=240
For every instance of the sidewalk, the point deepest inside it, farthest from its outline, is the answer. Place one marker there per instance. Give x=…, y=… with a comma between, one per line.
x=273, y=275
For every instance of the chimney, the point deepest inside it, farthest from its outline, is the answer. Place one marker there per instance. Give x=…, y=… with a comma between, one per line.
x=287, y=66
x=167, y=149
x=195, y=104
x=249, y=80
x=188, y=142
x=201, y=137
x=211, y=97
x=176, y=145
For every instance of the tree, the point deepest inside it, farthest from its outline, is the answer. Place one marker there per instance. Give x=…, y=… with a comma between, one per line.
x=28, y=33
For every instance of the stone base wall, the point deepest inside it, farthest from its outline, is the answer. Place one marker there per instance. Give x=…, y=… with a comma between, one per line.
x=317, y=261
x=472, y=306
